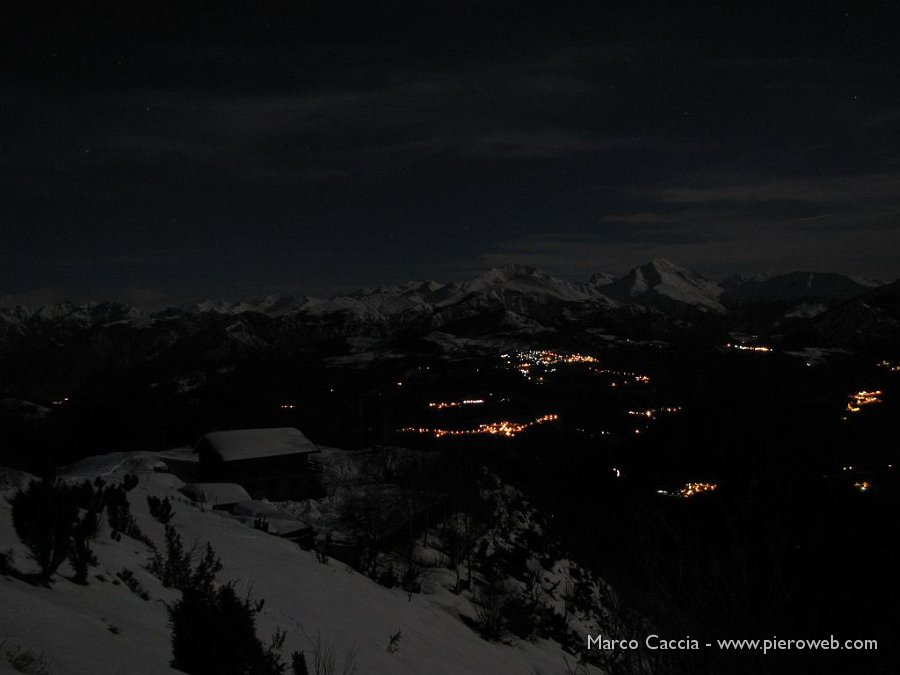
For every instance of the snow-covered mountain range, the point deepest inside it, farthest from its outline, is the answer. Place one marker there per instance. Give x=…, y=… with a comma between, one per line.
x=657, y=298
x=660, y=283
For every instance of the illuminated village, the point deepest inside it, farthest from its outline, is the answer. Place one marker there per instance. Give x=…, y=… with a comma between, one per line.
x=690, y=490
x=534, y=364
x=651, y=413
x=502, y=428
x=748, y=348
x=442, y=405
x=861, y=399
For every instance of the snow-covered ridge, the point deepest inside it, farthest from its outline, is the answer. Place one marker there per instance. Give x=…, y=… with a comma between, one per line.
x=661, y=282
x=521, y=291
x=511, y=279
x=794, y=287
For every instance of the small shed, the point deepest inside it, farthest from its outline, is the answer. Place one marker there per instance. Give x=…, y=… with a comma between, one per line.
x=268, y=463
x=215, y=495
x=277, y=522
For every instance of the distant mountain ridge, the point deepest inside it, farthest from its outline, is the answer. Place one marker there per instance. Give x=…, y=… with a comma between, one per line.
x=656, y=299
x=871, y=319
x=794, y=287
x=661, y=283
x=657, y=282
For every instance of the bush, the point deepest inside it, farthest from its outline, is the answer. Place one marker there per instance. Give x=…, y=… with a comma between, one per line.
x=80, y=554
x=213, y=630
x=131, y=582
x=118, y=512
x=489, y=604
x=394, y=642
x=521, y=616
x=24, y=660
x=215, y=634
x=43, y=518
x=411, y=580
x=160, y=509
x=298, y=664
x=173, y=567
x=175, y=570
x=57, y=521
x=324, y=660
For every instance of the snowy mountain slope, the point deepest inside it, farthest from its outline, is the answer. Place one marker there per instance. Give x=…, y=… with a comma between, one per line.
x=276, y=304
x=512, y=280
x=517, y=288
x=515, y=298
x=870, y=319
x=510, y=552
x=600, y=279
x=660, y=283
x=105, y=628
x=794, y=287
x=657, y=299
x=12, y=322
x=68, y=318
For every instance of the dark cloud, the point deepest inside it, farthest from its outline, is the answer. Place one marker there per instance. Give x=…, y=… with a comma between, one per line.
x=813, y=190
x=324, y=145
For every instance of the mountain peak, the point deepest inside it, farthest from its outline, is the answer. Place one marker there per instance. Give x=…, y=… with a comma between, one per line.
x=659, y=267
x=417, y=287
x=521, y=281
x=662, y=281
x=510, y=271
x=664, y=264
x=794, y=287
x=600, y=279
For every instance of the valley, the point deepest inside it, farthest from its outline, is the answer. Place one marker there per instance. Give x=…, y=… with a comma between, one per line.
x=690, y=453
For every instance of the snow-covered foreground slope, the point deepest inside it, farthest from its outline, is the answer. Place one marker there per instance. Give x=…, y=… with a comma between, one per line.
x=106, y=628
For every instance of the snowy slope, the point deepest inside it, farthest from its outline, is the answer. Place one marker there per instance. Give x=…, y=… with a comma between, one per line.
x=870, y=319
x=794, y=287
x=663, y=284
x=513, y=299
x=105, y=628
x=271, y=305
x=509, y=280
x=508, y=302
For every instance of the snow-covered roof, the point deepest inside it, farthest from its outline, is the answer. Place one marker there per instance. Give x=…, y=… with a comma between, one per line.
x=254, y=443
x=215, y=493
x=279, y=522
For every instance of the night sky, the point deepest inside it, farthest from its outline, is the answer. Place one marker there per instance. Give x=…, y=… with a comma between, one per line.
x=310, y=147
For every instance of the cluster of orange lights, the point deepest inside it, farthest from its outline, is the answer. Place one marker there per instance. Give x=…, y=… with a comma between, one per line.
x=863, y=486
x=863, y=398
x=288, y=406
x=504, y=428
x=456, y=404
x=526, y=362
x=542, y=358
x=747, y=348
x=890, y=367
x=691, y=489
x=651, y=413
x=640, y=379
